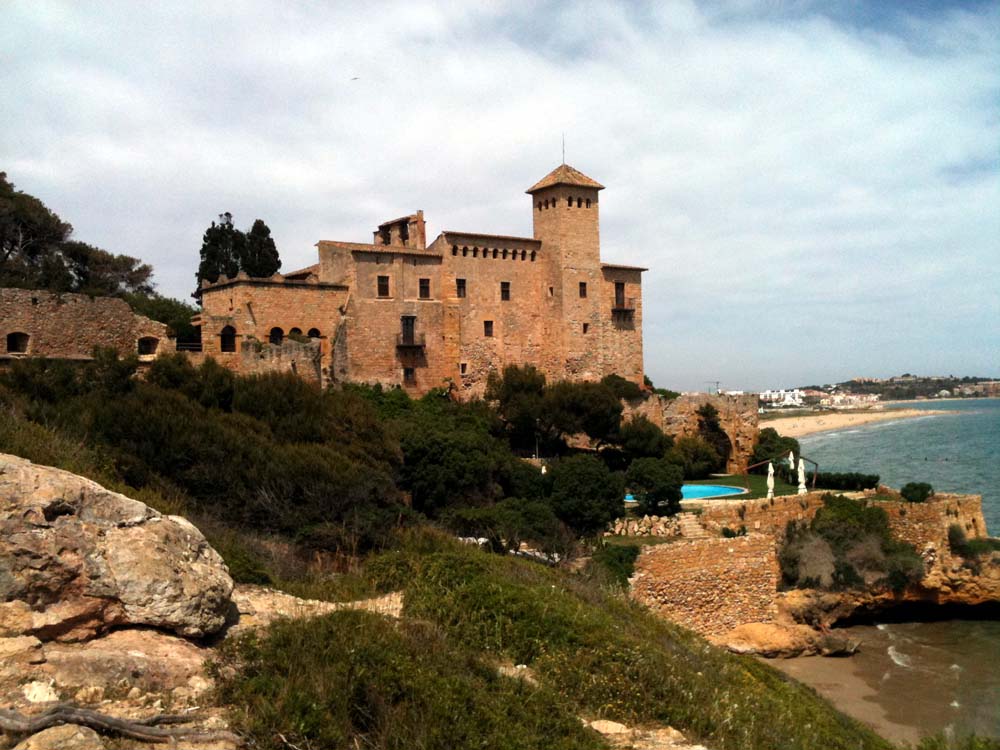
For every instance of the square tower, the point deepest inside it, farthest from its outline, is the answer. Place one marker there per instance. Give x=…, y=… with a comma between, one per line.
x=566, y=217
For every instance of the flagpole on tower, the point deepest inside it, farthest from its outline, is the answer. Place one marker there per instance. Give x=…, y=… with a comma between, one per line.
x=564, y=148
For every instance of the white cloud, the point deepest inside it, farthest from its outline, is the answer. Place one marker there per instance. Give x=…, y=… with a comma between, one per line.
x=817, y=195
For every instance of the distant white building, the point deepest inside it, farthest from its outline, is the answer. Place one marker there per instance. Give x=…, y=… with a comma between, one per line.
x=790, y=398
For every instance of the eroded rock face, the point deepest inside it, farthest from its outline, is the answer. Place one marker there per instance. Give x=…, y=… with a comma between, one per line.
x=77, y=559
x=65, y=737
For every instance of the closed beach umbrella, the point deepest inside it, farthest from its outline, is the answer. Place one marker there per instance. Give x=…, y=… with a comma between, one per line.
x=791, y=461
x=770, y=480
x=802, y=476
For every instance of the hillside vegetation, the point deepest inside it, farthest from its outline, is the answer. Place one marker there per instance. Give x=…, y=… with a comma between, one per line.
x=306, y=490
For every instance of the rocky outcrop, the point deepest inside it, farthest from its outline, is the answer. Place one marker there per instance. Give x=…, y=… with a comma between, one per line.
x=666, y=526
x=679, y=417
x=77, y=559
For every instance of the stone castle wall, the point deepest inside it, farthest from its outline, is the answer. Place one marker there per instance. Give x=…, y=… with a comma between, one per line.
x=761, y=515
x=710, y=585
x=926, y=523
x=70, y=326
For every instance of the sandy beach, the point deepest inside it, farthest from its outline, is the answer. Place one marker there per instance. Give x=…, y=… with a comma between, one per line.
x=807, y=424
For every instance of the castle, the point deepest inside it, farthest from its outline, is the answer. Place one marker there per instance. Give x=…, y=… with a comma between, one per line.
x=400, y=312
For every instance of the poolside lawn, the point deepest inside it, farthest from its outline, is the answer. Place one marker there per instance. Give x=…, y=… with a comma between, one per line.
x=758, y=485
x=639, y=541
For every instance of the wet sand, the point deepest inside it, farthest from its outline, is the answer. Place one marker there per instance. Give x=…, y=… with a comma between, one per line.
x=807, y=424
x=840, y=681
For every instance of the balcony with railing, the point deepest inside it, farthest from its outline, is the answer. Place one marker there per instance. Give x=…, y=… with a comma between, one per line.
x=623, y=306
x=411, y=340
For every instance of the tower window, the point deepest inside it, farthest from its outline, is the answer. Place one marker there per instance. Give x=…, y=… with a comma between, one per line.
x=464, y=367
x=454, y=249
x=552, y=291
x=495, y=252
x=505, y=253
x=505, y=290
x=586, y=327
x=539, y=205
x=524, y=254
x=465, y=251
x=583, y=288
x=383, y=286
x=588, y=202
x=227, y=339
x=425, y=288
x=459, y=287
x=579, y=202
x=488, y=328
x=532, y=256
x=475, y=252
x=569, y=202
x=409, y=376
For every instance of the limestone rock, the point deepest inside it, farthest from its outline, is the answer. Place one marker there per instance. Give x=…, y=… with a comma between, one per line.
x=772, y=639
x=76, y=559
x=65, y=737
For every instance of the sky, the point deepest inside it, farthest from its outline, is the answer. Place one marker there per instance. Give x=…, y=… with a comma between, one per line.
x=814, y=186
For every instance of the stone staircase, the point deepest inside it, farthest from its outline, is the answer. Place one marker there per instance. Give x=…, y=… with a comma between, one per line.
x=691, y=527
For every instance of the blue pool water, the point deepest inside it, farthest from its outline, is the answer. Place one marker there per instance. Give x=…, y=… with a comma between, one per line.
x=696, y=491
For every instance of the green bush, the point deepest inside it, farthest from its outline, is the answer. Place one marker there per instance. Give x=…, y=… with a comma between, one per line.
x=771, y=446
x=353, y=679
x=656, y=485
x=585, y=495
x=846, y=481
x=616, y=561
x=510, y=522
x=697, y=458
x=623, y=389
x=916, y=492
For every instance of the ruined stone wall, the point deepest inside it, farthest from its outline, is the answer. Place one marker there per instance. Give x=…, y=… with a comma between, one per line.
x=710, y=585
x=70, y=326
x=679, y=417
x=926, y=523
x=761, y=515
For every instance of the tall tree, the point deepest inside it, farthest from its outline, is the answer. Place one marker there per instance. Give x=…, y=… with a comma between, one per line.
x=221, y=248
x=260, y=256
x=36, y=252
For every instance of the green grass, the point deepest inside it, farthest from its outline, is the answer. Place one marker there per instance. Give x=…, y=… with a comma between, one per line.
x=639, y=541
x=757, y=483
x=353, y=679
x=610, y=658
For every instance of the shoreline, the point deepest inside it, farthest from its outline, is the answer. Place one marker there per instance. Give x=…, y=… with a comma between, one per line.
x=810, y=424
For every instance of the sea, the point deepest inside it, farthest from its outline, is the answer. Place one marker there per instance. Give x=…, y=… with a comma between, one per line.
x=912, y=678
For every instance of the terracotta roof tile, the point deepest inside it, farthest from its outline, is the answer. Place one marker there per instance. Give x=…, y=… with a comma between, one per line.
x=564, y=174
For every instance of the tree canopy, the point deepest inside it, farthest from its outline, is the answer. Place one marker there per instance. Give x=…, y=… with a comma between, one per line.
x=226, y=250
x=37, y=252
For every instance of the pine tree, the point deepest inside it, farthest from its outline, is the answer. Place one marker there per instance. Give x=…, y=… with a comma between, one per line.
x=221, y=248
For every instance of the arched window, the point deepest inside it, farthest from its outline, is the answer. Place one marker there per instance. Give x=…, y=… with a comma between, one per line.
x=569, y=202
x=495, y=252
x=227, y=339
x=147, y=345
x=17, y=342
x=579, y=202
x=475, y=252
x=313, y=333
x=276, y=336
x=588, y=202
x=296, y=331
x=524, y=254
x=465, y=251
x=505, y=253
x=532, y=256
x=454, y=249
x=546, y=202
x=539, y=205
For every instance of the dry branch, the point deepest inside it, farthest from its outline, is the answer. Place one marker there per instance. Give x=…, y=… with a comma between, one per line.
x=145, y=730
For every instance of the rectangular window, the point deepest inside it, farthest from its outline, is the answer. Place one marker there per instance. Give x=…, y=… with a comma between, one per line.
x=505, y=290
x=408, y=325
x=583, y=288
x=425, y=288
x=586, y=327
x=464, y=367
x=409, y=375
x=383, y=286
x=459, y=287
x=488, y=328
x=552, y=291
x=619, y=294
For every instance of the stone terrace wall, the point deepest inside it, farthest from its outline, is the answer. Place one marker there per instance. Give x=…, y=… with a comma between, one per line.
x=762, y=515
x=710, y=585
x=926, y=523
x=69, y=326
x=679, y=417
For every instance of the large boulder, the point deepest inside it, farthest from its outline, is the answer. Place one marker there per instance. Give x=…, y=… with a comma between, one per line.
x=77, y=559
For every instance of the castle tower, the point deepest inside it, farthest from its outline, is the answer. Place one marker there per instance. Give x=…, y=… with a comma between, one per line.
x=565, y=210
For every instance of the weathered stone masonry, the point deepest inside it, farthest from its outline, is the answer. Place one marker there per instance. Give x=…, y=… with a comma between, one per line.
x=399, y=312
x=69, y=326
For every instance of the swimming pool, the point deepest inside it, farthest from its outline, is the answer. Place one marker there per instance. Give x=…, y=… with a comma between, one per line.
x=698, y=491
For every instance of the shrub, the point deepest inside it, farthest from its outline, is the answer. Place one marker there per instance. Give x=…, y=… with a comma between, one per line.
x=697, y=458
x=616, y=561
x=510, y=522
x=656, y=485
x=846, y=481
x=916, y=492
x=640, y=438
x=770, y=445
x=626, y=390
x=585, y=495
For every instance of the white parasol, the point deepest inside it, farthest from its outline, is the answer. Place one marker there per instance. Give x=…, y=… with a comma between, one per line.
x=770, y=481
x=802, y=476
